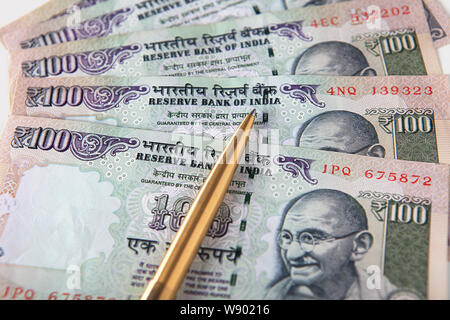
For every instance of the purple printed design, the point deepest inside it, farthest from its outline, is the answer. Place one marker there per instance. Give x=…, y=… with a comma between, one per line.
x=437, y=32
x=101, y=61
x=290, y=30
x=303, y=93
x=84, y=146
x=91, y=146
x=81, y=5
x=96, y=98
x=98, y=27
x=102, y=99
x=296, y=166
x=35, y=97
x=33, y=69
x=91, y=62
x=101, y=26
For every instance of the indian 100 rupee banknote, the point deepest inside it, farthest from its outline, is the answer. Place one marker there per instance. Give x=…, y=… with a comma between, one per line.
x=126, y=16
x=295, y=224
x=54, y=9
x=280, y=43
x=395, y=117
x=130, y=16
x=437, y=18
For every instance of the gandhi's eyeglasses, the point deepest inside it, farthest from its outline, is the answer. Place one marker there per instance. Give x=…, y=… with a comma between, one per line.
x=306, y=240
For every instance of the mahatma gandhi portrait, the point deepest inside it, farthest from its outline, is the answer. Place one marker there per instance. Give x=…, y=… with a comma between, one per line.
x=322, y=234
x=340, y=131
x=333, y=58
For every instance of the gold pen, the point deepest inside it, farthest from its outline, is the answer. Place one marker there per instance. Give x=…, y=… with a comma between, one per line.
x=175, y=265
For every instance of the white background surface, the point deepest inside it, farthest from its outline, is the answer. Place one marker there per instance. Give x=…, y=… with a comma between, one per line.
x=16, y=8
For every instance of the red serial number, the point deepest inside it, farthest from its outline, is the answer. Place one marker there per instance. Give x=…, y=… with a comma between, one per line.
x=405, y=90
x=70, y=296
x=373, y=13
x=401, y=177
x=325, y=22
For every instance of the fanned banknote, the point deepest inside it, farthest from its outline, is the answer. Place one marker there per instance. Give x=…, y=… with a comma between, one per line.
x=141, y=15
x=394, y=117
x=437, y=18
x=295, y=224
x=126, y=16
x=287, y=42
x=52, y=10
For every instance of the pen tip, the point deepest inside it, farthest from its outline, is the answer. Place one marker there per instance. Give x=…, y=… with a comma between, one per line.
x=253, y=112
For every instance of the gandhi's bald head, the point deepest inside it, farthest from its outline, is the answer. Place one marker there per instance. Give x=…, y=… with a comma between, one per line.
x=335, y=211
x=333, y=58
x=340, y=131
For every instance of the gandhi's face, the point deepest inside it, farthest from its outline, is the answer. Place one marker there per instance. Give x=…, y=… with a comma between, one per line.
x=328, y=258
x=307, y=3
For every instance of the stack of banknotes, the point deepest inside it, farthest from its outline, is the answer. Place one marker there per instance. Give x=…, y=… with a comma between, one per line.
x=120, y=108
